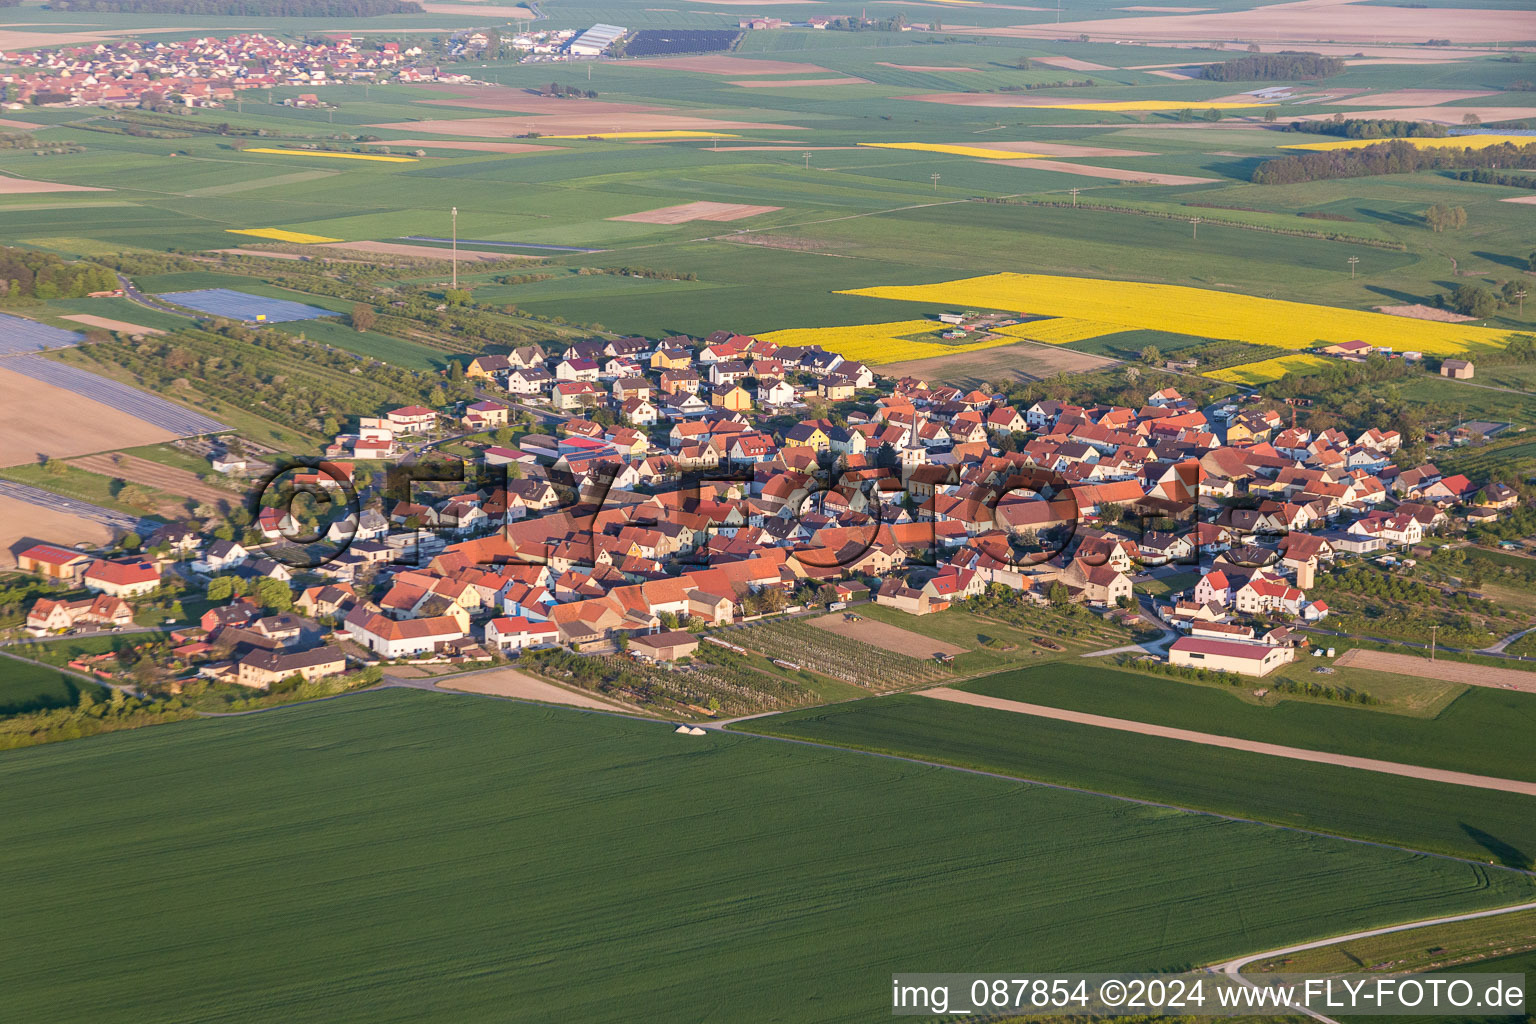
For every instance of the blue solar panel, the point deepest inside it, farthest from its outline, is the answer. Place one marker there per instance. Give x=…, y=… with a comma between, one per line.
x=20, y=335
x=245, y=306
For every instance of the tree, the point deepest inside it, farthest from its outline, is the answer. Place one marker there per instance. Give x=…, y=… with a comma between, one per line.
x=362, y=316
x=1269, y=115
x=1441, y=217
x=1151, y=355
x=1022, y=64
x=455, y=370
x=1058, y=595
x=221, y=588
x=1212, y=114
x=456, y=296
x=1471, y=120
x=436, y=398
x=131, y=540
x=274, y=594
x=622, y=643
x=1111, y=513
x=1185, y=115
x=1474, y=301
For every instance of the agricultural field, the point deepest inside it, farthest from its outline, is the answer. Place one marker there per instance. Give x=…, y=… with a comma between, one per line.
x=705, y=824
x=1125, y=306
x=1460, y=821
x=838, y=657
x=1480, y=732
x=26, y=687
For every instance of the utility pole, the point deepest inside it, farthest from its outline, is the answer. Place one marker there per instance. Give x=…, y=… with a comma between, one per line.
x=1352, y=261
x=1074, y=192
x=454, y=215
x=807, y=157
x=1432, y=630
x=934, y=177
x=1520, y=297
x=1194, y=230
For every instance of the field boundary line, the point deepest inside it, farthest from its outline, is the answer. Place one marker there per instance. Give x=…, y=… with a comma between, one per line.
x=1209, y=739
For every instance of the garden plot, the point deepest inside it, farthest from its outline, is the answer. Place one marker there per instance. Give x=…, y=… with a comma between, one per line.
x=886, y=637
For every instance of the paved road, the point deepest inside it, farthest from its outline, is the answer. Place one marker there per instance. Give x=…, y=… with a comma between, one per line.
x=1369, y=764
x=1234, y=968
x=1157, y=645
x=1500, y=647
x=133, y=294
x=84, y=509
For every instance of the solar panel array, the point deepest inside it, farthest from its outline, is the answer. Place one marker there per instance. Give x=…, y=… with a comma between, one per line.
x=18, y=334
x=139, y=404
x=244, y=306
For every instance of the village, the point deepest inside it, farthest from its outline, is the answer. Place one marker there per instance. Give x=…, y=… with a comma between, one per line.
x=656, y=491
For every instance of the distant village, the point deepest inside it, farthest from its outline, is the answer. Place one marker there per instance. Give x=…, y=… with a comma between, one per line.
x=675, y=486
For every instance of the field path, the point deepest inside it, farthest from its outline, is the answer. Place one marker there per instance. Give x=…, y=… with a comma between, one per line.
x=1234, y=968
x=1230, y=743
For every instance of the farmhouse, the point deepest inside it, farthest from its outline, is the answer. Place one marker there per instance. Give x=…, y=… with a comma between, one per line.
x=665, y=646
x=54, y=562
x=122, y=579
x=1243, y=657
x=48, y=616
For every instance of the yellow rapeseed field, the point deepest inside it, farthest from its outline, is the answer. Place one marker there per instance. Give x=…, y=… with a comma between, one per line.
x=879, y=343
x=1266, y=370
x=1135, y=305
x=1147, y=105
x=282, y=236
x=934, y=147
x=1453, y=141
x=377, y=157
x=1060, y=330
x=646, y=135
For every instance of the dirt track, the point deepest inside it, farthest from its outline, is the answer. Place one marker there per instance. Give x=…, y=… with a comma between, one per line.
x=886, y=637
x=509, y=682
x=1409, y=771
x=1449, y=671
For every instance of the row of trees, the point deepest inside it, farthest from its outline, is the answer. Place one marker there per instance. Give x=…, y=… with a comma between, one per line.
x=1397, y=157
x=1275, y=67
x=1370, y=128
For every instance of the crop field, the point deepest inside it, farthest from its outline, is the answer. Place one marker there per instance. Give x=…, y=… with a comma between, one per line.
x=1481, y=732
x=879, y=344
x=837, y=656
x=1446, y=142
x=27, y=687
x=1266, y=370
x=1212, y=314
x=1457, y=820
x=589, y=900
x=279, y=235
x=374, y=157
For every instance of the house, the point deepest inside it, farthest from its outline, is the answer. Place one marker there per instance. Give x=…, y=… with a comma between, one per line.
x=1497, y=496
x=668, y=646
x=227, y=462
x=485, y=416
x=1214, y=588
x=1243, y=657
x=1456, y=369
x=122, y=579
x=54, y=562
x=573, y=394
x=731, y=397
x=1263, y=594
x=533, y=380
x=777, y=393
x=260, y=669
x=1101, y=585
x=220, y=555
x=1348, y=349
x=488, y=367
x=412, y=419
x=391, y=638
x=516, y=633
x=47, y=616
